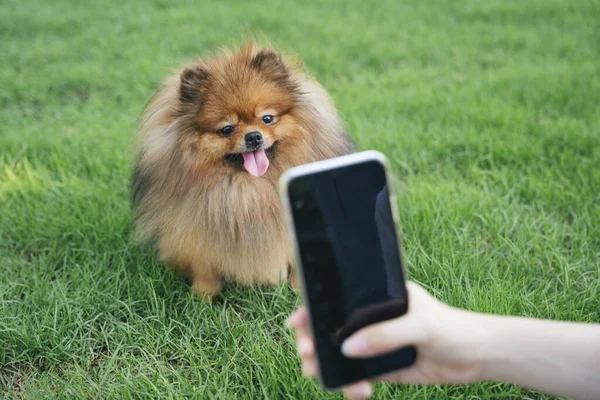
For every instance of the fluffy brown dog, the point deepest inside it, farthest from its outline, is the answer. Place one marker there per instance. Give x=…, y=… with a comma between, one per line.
x=213, y=143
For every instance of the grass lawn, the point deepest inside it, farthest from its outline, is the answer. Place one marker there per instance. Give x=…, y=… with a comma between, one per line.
x=489, y=111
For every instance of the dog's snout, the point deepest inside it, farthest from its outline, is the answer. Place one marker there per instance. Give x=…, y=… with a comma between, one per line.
x=253, y=139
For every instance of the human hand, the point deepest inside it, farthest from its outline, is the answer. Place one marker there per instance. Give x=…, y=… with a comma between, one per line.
x=448, y=343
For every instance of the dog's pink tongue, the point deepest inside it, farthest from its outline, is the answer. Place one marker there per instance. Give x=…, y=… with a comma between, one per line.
x=256, y=162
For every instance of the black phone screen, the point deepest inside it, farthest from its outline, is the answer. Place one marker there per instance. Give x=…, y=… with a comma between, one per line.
x=351, y=264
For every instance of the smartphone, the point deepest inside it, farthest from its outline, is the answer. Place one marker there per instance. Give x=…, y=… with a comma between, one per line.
x=343, y=226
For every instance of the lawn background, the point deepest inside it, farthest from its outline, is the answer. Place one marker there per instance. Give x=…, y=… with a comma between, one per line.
x=488, y=110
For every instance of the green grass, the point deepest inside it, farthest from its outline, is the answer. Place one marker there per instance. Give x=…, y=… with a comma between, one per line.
x=489, y=111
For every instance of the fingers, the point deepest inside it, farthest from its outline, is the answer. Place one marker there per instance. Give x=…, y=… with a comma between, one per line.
x=304, y=342
x=410, y=329
x=309, y=367
x=298, y=319
x=306, y=349
x=361, y=390
x=305, y=346
x=385, y=337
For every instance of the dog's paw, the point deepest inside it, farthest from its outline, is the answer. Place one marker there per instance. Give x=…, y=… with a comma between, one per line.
x=207, y=287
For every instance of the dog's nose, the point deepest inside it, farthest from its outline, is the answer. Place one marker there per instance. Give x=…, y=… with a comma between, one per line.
x=253, y=139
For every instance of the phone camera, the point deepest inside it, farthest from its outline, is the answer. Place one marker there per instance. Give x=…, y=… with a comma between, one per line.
x=299, y=204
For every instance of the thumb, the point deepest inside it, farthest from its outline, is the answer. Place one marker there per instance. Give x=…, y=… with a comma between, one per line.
x=384, y=337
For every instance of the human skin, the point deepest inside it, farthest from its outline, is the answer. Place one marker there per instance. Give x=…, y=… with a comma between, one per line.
x=456, y=346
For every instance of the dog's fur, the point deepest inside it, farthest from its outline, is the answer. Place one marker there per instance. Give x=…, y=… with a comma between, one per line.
x=210, y=218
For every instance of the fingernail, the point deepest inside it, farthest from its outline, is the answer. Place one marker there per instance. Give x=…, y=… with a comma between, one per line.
x=354, y=346
x=364, y=391
x=360, y=391
x=305, y=347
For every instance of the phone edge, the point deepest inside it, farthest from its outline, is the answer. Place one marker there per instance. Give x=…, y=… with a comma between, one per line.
x=324, y=165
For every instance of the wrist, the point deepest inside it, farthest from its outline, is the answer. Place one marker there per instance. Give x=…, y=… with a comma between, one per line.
x=469, y=348
x=481, y=344
x=497, y=358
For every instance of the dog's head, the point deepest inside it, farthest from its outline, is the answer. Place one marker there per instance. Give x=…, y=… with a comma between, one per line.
x=239, y=106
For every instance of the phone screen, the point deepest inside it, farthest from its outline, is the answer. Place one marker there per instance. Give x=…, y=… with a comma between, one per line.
x=351, y=264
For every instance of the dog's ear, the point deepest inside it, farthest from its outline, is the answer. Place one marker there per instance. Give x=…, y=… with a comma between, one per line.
x=193, y=80
x=268, y=60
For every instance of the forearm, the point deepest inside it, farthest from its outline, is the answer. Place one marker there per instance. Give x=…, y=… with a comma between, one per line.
x=554, y=357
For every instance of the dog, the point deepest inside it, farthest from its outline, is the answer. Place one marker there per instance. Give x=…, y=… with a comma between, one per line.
x=213, y=142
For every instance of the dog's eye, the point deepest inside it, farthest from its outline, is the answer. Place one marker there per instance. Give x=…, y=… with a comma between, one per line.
x=268, y=119
x=227, y=130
